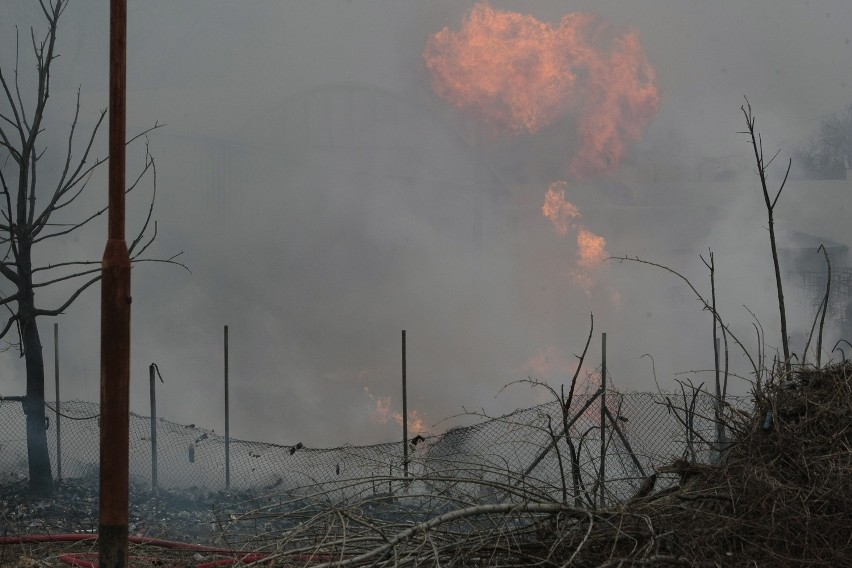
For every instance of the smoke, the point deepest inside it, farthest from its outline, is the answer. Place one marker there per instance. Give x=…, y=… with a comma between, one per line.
x=325, y=198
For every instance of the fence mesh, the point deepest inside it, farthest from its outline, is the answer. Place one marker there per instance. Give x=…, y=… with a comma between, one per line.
x=526, y=449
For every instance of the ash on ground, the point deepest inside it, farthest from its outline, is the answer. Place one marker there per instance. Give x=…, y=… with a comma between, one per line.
x=193, y=515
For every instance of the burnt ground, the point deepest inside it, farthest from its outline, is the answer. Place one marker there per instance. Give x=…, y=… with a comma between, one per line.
x=192, y=515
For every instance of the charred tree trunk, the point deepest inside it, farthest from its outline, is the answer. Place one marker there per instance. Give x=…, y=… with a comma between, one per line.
x=23, y=225
x=41, y=477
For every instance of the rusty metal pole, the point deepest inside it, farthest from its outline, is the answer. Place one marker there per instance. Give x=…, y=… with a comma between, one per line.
x=115, y=320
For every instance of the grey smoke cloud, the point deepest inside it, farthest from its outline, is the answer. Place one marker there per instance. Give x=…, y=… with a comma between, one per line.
x=325, y=199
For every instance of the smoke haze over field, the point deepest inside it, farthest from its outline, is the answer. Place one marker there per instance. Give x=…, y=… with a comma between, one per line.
x=325, y=198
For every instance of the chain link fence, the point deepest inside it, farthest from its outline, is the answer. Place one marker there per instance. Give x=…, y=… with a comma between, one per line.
x=525, y=453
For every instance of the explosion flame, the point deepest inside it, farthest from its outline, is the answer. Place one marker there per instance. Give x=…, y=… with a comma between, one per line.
x=523, y=74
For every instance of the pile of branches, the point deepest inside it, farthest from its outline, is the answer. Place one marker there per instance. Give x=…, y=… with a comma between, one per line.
x=779, y=496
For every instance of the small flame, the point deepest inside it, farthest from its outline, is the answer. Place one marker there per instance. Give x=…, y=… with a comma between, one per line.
x=561, y=213
x=592, y=252
x=381, y=413
x=550, y=363
x=592, y=249
x=416, y=422
x=553, y=365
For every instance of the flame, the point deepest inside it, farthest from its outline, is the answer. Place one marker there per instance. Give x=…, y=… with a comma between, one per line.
x=561, y=213
x=381, y=413
x=523, y=74
x=550, y=363
x=592, y=249
x=416, y=422
x=506, y=65
x=622, y=100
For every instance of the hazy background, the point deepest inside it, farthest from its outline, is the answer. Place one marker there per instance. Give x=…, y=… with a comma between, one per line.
x=325, y=199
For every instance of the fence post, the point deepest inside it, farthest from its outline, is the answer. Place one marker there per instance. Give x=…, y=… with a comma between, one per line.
x=721, y=438
x=602, y=473
x=153, y=428
x=56, y=380
x=227, y=423
x=404, y=414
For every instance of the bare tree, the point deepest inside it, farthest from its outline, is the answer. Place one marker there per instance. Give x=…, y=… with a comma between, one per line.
x=760, y=168
x=828, y=153
x=30, y=203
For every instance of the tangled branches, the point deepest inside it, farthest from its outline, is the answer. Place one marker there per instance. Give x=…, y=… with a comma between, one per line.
x=780, y=496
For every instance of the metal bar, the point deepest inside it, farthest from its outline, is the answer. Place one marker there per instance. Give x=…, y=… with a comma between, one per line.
x=115, y=319
x=719, y=405
x=552, y=444
x=56, y=382
x=227, y=420
x=624, y=441
x=404, y=413
x=154, y=464
x=602, y=472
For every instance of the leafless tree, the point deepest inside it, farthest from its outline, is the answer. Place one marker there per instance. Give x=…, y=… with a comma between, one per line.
x=828, y=153
x=31, y=211
x=761, y=166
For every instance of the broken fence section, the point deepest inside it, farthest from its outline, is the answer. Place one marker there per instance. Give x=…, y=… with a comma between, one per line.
x=514, y=456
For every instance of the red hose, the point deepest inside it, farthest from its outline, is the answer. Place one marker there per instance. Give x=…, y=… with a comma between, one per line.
x=77, y=559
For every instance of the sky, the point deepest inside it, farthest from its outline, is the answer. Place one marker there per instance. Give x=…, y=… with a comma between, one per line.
x=325, y=195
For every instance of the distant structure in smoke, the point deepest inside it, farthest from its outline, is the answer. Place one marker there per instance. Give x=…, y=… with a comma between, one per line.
x=828, y=153
x=688, y=199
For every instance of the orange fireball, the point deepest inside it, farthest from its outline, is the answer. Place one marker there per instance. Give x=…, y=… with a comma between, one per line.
x=523, y=74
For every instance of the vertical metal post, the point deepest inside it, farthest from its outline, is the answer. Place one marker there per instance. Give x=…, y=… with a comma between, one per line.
x=153, y=428
x=56, y=381
x=227, y=423
x=115, y=319
x=602, y=472
x=404, y=413
x=721, y=438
